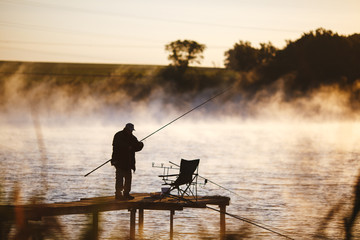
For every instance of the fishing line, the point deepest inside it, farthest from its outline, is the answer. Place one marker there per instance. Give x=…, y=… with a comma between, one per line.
x=198, y=106
x=272, y=229
x=252, y=222
x=257, y=224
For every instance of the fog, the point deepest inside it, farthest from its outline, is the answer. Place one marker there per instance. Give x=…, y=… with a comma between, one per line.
x=66, y=104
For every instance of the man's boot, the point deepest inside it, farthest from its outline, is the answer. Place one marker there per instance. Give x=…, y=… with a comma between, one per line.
x=119, y=196
x=127, y=196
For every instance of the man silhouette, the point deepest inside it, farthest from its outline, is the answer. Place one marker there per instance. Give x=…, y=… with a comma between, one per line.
x=125, y=144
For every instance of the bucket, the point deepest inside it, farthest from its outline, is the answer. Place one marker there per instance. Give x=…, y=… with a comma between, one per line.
x=165, y=190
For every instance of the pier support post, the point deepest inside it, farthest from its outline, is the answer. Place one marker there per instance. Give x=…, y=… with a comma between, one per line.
x=141, y=221
x=132, y=223
x=172, y=213
x=95, y=224
x=222, y=221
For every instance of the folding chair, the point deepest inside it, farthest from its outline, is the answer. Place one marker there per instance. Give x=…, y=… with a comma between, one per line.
x=186, y=181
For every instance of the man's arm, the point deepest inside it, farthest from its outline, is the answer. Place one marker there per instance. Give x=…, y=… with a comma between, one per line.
x=136, y=145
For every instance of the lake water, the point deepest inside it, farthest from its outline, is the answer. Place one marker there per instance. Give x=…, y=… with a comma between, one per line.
x=294, y=177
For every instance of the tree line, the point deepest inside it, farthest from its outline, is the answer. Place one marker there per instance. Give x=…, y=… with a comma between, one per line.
x=318, y=58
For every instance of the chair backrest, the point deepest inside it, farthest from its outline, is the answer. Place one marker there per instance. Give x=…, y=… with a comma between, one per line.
x=187, y=170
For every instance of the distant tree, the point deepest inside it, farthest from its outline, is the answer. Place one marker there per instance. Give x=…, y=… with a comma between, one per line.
x=266, y=52
x=244, y=57
x=183, y=53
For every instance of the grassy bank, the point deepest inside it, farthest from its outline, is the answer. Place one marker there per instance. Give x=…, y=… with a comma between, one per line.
x=108, y=84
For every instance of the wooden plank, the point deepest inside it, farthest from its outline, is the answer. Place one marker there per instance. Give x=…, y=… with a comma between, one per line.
x=102, y=204
x=109, y=203
x=7, y=212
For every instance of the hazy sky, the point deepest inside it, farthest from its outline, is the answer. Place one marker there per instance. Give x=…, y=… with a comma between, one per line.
x=136, y=31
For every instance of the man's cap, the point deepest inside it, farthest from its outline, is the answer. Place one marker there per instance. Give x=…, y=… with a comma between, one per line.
x=130, y=126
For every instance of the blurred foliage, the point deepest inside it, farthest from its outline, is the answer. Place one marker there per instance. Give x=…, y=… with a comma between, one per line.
x=14, y=225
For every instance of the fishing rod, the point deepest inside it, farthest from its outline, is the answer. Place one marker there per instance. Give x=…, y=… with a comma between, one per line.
x=203, y=103
x=187, y=112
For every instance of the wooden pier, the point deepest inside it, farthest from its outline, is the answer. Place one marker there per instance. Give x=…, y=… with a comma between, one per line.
x=95, y=205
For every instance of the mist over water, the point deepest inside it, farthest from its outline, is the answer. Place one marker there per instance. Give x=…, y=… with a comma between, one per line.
x=293, y=163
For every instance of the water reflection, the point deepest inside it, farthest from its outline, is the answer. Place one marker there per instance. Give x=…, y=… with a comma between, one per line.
x=299, y=178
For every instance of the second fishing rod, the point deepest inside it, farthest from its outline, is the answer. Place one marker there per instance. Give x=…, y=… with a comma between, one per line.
x=184, y=114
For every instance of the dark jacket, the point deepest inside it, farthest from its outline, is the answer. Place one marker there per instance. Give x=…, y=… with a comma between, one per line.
x=124, y=147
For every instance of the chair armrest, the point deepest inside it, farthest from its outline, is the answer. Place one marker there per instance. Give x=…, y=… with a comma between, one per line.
x=171, y=175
